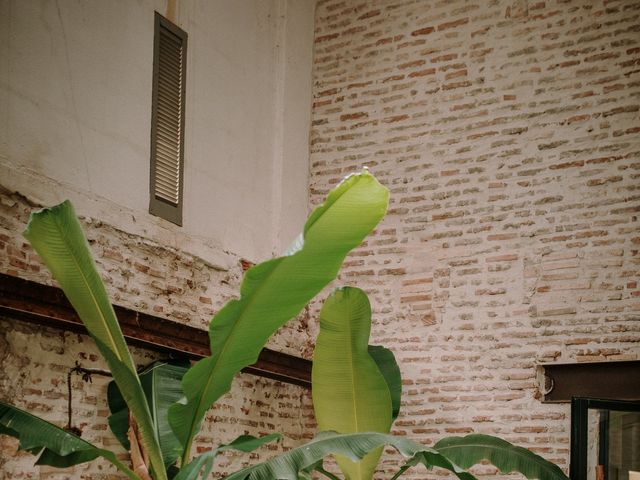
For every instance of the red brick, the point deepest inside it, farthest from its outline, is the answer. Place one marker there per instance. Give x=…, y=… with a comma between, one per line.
x=453, y=24
x=423, y=31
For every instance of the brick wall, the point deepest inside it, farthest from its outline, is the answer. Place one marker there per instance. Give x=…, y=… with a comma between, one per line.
x=508, y=133
x=144, y=275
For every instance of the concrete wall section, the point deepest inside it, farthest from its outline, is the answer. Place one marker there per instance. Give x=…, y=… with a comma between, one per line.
x=75, y=110
x=293, y=139
x=76, y=98
x=508, y=134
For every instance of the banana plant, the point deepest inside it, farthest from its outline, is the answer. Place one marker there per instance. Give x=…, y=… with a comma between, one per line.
x=56, y=235
x=297, y=463
x=271, y=293
x=162, y=388
x=356, y=397
x=357, y=387
x=274, y=292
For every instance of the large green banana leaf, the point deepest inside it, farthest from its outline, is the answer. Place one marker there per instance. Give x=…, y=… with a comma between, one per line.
x=274, y=292
x=56, y=235
x=350, y=394
x=202, y=465
x=307, y=473
x=352, y=445
x=471, y=449
x=453, y=454
x=119, y=418
x=56, y=446
x=386, y=361
x=161, y=384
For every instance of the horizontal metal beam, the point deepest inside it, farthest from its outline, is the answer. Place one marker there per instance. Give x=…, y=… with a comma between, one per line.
x=609, y=380
x=36, y=303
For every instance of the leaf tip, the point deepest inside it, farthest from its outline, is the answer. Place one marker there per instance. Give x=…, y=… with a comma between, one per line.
x=45, y=213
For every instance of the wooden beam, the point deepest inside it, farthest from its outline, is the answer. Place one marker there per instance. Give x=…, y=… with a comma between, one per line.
x=36, y=303
x=619, y=380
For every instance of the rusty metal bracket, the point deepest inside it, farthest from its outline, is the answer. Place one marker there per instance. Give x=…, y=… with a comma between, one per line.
x=33, y=302
x=86, y=374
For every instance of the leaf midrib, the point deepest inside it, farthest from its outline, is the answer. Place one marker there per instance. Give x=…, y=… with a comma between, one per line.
x=88, y=287
x=353, y=379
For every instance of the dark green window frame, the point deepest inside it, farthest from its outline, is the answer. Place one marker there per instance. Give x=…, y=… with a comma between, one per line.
x=580, y=407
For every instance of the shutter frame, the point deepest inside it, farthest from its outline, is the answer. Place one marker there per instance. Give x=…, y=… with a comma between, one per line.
x=160, y=197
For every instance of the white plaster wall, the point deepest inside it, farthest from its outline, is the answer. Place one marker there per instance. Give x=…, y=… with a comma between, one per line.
x=75, y=108
x=292, y=146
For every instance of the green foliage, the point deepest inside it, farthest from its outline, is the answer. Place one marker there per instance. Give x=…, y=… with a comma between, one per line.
x=55, y=446
x=455, y=454
x=350, y=393
x=161, y=385
x=56, y=235
x=356, y=387
x=274, y=292
x=469, y=450
x=386, y=362
x=203, y=464
x=353, y=388
x=354, y=446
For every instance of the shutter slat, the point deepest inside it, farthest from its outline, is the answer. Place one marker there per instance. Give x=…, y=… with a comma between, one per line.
x=167, y=183
x=169, y=126
x=169, y=47
x=169, y=152
x=173, y=89
x=168, y=163
x=169, y=123
x=169, y=83
x=169, y=174
x=169, y=107
x=168, y=138
x=169, y=158
x=170, y=57
x=167, y=35
x=169, y=72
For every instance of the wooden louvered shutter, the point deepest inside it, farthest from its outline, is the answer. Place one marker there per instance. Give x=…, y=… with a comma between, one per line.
x=167, y=122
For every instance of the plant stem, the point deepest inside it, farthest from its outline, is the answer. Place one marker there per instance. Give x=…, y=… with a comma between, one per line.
x=123, y=468
x=327, y=474
x=403, y=469
x=186, y=454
